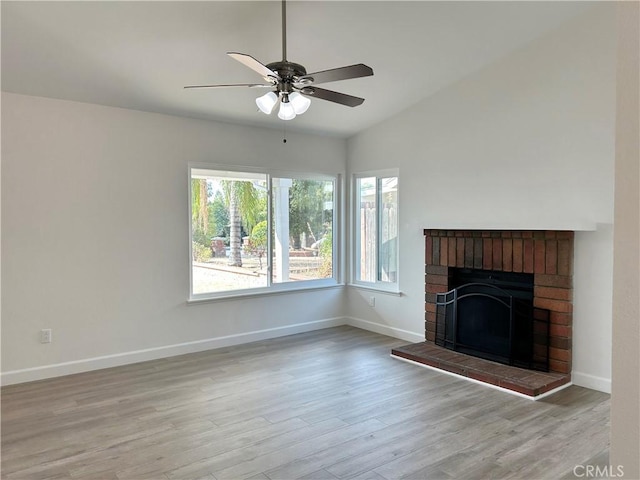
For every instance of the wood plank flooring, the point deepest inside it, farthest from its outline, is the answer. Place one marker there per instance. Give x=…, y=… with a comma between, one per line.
x=321, y=405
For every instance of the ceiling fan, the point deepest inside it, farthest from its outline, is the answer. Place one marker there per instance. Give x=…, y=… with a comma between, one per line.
x=290, y=83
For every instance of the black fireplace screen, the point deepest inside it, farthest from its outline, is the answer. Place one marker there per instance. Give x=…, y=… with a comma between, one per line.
x=491, y=315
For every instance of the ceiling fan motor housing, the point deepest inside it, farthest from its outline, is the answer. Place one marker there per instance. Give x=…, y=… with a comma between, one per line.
x=289, y=73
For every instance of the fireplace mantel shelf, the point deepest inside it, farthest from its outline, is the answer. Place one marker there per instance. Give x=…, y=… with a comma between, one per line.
x=571, y=225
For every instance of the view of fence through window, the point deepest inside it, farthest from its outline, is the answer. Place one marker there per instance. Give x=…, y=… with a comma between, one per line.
x=238, y=244
x=377, y=218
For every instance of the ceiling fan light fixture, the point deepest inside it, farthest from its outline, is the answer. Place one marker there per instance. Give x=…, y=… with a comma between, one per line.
x=300, y=102
x=266, y=102
x=287, y=112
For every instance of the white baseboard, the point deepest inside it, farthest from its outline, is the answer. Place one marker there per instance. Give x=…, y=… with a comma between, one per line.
x=591, y=381
x=107, y=361
x=385, y=330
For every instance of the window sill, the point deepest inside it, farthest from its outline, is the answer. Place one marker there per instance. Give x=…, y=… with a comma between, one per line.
x=395, y=293
x=257, y=294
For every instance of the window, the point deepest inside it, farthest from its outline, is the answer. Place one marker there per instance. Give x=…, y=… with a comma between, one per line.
x=254, y=232
x=375, y=200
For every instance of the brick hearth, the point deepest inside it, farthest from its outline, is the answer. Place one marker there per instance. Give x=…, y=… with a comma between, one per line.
x=526, y=382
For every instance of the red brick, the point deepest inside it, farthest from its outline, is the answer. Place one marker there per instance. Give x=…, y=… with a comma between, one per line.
x=507, y=255
x=477, y=253
x=539, y=256
x=436, y=251
x=459, y=252
x=540, y=351
x=468, y=252
x=540, y=314
x=444, y=251
x=550, y=234
x=540, y=328
x=437, y=270
x=560, y=331
x=430, y=307
x=453, y=369
x=563, y=234
x=560, y=342
x=553, y=292
x=431, y=288
x=527, y=253
x=497, y=254
x=438, y=279
x=553, y=305
x=559, y=318
x=452, y=251
x=430, y=317
x=509, y=385
x=551, y=257
x=559, y=366
x=428, y=250
x=487, y=253
x=430, y=336
x=517, y=255
x=565, y=257
x=559, y=354
x=560, y=281
x=483, y=377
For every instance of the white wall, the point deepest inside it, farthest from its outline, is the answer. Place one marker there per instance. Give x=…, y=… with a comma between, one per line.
x=95, y=236
x=592, y=304
x=526, y=143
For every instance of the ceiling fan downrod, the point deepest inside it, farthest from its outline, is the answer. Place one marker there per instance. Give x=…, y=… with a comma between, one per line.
x=284, y=30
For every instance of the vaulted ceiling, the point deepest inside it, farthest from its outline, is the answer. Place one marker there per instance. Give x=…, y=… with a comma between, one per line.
x=139, y=55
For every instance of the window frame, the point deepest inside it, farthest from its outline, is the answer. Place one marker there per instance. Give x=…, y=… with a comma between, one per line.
x=354, y=229
x=272, y=287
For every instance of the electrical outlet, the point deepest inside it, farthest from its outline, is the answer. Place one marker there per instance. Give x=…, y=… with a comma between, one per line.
x=46, y=335
x=372, y=301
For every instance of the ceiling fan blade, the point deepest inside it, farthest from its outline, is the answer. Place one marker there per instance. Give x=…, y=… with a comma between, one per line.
x=250, y=85
x=335, y=74
x=253, y=64
x=331, y=96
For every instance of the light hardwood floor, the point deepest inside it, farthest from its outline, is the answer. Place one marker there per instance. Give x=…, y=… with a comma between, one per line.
x=320, y=405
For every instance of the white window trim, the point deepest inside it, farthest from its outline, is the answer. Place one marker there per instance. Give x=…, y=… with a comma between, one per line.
x=392, y=288
x=272, y=288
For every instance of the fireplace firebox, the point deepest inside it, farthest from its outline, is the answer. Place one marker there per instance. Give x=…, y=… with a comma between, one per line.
x=490, y=314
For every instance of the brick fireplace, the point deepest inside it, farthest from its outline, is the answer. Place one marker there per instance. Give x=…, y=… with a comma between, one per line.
x=548, y=255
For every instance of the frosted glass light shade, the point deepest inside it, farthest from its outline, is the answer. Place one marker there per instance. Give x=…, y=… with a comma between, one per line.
x=266, y=102
x=300, y=102
x=287, y=111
